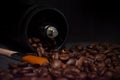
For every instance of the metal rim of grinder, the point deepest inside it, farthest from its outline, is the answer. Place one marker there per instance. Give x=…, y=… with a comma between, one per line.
x=48, y=24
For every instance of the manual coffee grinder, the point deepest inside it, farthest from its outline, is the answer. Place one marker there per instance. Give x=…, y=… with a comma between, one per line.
x=47, y=24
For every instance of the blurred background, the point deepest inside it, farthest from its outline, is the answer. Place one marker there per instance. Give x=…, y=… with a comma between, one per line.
x=88, y=20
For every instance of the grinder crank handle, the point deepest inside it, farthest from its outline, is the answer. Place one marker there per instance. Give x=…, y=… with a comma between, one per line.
x=32, y=59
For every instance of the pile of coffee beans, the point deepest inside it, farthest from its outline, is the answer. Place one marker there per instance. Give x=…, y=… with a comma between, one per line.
x=39, y=46
x=98, y=61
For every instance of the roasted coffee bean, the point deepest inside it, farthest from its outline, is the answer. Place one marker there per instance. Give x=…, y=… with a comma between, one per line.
x=101, y=73
x=86, y=66
x=107, y=61
x=79, y=48
x=79, y=62
x=39, y=45
x=117, y=68
x=48, y=77
x=75, y=70
x=55, y=55
x=44, y=74
x=93, y=76
x=114, y=58
x=108, y=75
x=74, y=55
x=36, y=40
x=116, y=63
x=71, y=69
x=110, y=54
x=34, y=45
x=102, y=78
x=91, y=46
x=23, y=78
x=93, y=67
x=92, y=51
x=70, y=76
x=107, y=51
x=55, y=72
x=27, y=70
x=56, y=64
x=83, y=75
x=71, y=72
x=100, y=57
x=118, y=56
x=64, y=57
x=89, y=55
x=71, y=61
x=61, y=78
x=30, y=74
x=100, y=48
x=83, y=52
x=100, y=66
x=37, y=71
x=90, y=61
x=40, y=51
x=64, y=66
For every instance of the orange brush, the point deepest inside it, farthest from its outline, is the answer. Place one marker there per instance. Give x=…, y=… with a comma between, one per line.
x=21, y=57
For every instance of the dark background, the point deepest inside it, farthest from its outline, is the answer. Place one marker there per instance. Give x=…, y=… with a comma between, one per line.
x=88, y=20
x=91, y=20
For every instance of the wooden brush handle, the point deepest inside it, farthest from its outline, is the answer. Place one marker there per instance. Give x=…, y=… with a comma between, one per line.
x=7, y=52
x=21, y=57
